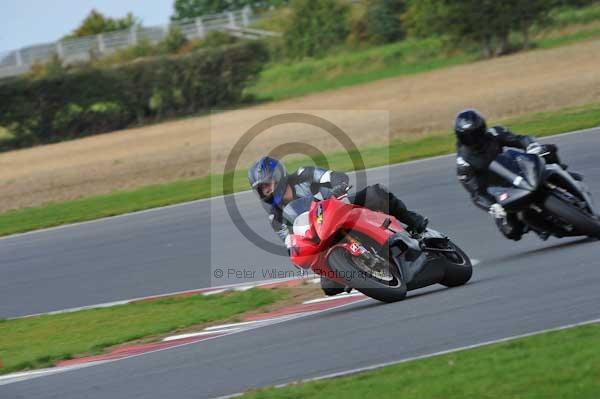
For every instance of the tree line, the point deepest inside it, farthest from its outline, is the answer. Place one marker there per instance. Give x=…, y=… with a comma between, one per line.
x=179, y=77
x=496, y=27
x=485, y=23
x=314, y=26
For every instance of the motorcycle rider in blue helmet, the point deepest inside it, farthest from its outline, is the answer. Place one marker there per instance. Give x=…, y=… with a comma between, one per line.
x=269, y=178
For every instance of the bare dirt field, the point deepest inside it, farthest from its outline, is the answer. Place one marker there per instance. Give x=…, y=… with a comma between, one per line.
x=509, y=86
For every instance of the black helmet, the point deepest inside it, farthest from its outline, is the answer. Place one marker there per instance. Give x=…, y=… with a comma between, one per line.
x=470, y=127
x=268, y=170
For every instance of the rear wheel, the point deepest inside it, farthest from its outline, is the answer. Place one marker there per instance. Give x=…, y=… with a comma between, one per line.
x=583, y=222
x=383, y=283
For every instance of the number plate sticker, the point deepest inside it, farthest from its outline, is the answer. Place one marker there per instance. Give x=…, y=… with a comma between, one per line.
x=356, y=249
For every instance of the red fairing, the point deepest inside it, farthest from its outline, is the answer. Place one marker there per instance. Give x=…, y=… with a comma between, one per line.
x=326, y=219
x=303, y=251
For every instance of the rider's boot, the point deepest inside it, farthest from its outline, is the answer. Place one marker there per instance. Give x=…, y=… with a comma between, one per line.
x=415, y=222
x=330, y=287
x=544, y=235
x=576, y=176
x=511, y=227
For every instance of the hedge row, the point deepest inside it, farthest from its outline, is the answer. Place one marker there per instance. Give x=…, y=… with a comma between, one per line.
x=94, y=100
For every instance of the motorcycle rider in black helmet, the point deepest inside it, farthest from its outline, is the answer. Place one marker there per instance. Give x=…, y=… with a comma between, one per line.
x=477, y=147
x=276, y=188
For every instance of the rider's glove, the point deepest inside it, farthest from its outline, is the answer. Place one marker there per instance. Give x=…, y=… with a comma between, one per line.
x=419, y=227
x=535, y=148
x=340, y=190
x=497, y=211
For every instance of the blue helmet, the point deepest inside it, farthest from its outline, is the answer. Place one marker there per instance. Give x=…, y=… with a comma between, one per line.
x=268, y=170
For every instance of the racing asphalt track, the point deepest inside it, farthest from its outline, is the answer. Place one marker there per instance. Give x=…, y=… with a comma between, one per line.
x=517, y=288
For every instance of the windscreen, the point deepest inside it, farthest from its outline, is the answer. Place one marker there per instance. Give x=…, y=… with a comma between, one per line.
x=522, y=164
x=508, y=159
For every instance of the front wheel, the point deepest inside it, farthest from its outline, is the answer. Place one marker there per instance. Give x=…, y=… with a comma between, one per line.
x=458, y=267
x=581, y=221
x=386, y=287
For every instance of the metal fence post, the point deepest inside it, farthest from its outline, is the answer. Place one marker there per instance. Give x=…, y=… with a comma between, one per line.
x=200, y=27
x=246, y=12
x=18, y=57
x=231, y=19
x=133, y=35
x=101, y=45
x=60, y=50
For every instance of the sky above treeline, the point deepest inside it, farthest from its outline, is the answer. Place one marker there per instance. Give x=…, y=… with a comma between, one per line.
x=27, y=22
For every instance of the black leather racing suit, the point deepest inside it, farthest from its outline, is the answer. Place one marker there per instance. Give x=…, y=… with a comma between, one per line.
x=318, y=182
x=472, y=170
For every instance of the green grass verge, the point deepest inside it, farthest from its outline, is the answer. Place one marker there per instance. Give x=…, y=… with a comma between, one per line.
x=27, y=219
x=41, y=341
x=563, y=364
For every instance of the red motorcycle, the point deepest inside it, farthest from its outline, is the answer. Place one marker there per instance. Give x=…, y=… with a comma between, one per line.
x=371, y=251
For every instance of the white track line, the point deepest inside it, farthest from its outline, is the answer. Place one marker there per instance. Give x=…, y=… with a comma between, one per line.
x=333, y=298
x=100, y=220
x=101, y=305
x=410, y=359
x=249, y=323
x=197, y=334
x=215, y=292
x=244, y=288
x=26, y=375
x=237, y=327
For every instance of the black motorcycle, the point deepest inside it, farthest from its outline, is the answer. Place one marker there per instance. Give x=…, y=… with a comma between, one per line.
x=543, y=196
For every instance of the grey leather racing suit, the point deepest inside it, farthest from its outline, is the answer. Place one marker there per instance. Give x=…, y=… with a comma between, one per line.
x=319, y=183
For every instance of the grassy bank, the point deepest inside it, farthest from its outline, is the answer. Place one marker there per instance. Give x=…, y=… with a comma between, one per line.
x=408, y=57
x=569, y=35
x=353, y=66
x=574, y=16
x=41, y=341
x=563, y=364
x=539, y=124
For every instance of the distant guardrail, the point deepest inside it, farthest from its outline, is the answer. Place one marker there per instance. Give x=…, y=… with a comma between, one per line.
x=236, y=23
